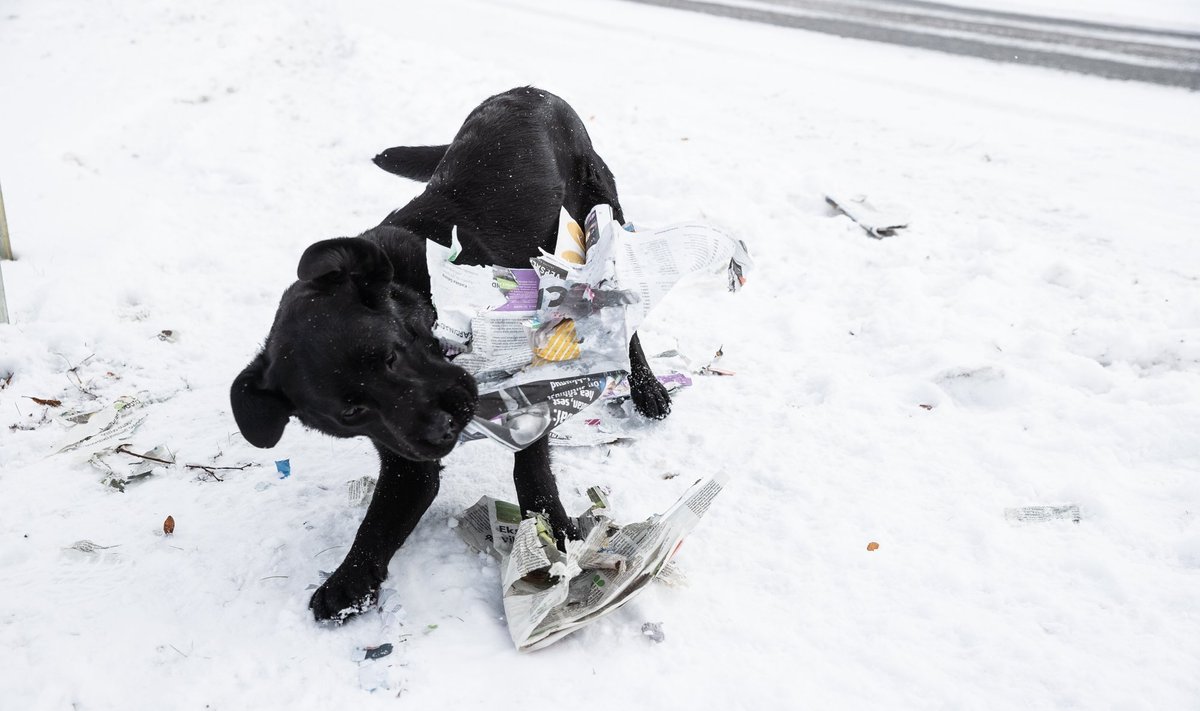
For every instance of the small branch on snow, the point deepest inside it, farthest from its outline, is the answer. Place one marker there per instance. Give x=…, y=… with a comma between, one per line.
x=122, y=450
x=212, y=471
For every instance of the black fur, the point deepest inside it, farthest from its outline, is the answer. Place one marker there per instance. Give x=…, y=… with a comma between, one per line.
x=351, y=352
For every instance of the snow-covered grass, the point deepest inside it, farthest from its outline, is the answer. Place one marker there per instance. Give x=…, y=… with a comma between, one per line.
x=164, y=165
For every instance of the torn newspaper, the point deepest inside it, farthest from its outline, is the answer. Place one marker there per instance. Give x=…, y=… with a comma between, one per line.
x=878, y=220
x=545, y=343
x=548, y=593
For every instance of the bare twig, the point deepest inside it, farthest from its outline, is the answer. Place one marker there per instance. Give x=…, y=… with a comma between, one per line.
x=212, y=470
x=207, y=471
x=122, y=450
x=74, y=370
x=210, y=467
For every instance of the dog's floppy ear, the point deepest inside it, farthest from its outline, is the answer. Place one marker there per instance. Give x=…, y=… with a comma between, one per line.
x=261, y=412
x=355, y=259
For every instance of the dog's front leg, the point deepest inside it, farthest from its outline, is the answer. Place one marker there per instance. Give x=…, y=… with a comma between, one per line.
x=538, y=491
x=404, y=492
x=650, y=397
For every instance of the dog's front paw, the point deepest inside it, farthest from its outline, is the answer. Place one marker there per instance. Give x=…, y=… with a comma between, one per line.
x=650, y=397
x=349, y=591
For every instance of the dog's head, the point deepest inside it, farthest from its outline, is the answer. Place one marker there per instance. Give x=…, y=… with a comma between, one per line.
x=351, y=353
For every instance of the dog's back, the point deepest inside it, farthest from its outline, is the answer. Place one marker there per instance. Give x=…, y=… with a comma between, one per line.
x=518, y=157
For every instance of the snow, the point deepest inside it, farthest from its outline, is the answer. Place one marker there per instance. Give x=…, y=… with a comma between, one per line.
x=165, y=165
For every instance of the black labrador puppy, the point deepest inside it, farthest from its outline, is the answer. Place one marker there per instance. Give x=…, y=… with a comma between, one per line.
x=351, y=352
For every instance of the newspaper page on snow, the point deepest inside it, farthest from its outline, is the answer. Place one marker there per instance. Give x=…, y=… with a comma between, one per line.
x=548, y=593
x=547, y=342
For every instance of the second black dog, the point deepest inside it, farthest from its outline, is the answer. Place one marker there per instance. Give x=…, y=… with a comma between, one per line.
x=351, y=352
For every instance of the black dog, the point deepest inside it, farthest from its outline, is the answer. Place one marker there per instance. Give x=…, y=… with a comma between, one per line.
x=351, y=352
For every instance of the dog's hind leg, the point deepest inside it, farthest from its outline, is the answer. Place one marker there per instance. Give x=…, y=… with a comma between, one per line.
x=537, y=489
x=413, y=162
x=404, y=492
x=597, y=186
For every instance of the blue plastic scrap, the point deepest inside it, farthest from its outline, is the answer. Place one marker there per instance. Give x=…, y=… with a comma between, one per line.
x=285, y=468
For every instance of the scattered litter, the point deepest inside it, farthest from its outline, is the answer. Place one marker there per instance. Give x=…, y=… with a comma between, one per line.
x=168, y=335
x=654, y=631
x=670, y=475
x=377, y=652
x=879, y=221
x=923, y=406
x=678, y=380
x=284, y=467
x=430, y=628
x=360, y=490
x=1041, y=514
x=390, y=612
x=124, y=472
x=169, y=525
x=872, y=546
x=548, y=594
x=31, y=424
x=91, y=431
x=711, y=368
x=672, y=575
x=47, y=402
x=86, y=546
x=379, y=669
x=5, y=380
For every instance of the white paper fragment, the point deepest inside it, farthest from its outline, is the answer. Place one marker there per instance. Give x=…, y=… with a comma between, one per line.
x=877, y=219
x=1041, y=514
x=86, y=546
x=654, y=631
x=91, y=432
x=359, y=491
x=380, y=664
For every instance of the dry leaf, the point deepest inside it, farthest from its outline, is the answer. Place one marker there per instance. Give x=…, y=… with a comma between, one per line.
x=48, y=403
x=169, y=525
x=872, y=546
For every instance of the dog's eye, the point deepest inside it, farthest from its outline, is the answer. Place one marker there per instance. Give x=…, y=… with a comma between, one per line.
x=353, y=413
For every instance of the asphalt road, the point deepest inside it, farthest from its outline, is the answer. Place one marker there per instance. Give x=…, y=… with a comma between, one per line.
x=1136, y=54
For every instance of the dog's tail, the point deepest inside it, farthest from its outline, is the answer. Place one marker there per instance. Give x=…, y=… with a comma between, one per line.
x=412, y=162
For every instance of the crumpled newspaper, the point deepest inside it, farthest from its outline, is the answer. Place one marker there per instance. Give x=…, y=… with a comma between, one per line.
x=546, y=343
x=549, y=593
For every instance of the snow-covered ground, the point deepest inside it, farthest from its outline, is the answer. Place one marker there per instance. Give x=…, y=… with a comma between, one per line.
x=164, y=165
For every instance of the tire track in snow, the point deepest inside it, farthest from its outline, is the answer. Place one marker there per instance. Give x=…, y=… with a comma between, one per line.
x=1163, y=57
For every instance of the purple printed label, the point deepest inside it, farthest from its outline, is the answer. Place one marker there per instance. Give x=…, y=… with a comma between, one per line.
x=520, y=288
x=680, y=379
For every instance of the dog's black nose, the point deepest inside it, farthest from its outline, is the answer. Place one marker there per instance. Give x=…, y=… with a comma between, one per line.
x=441, y=429
x=460, y=398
